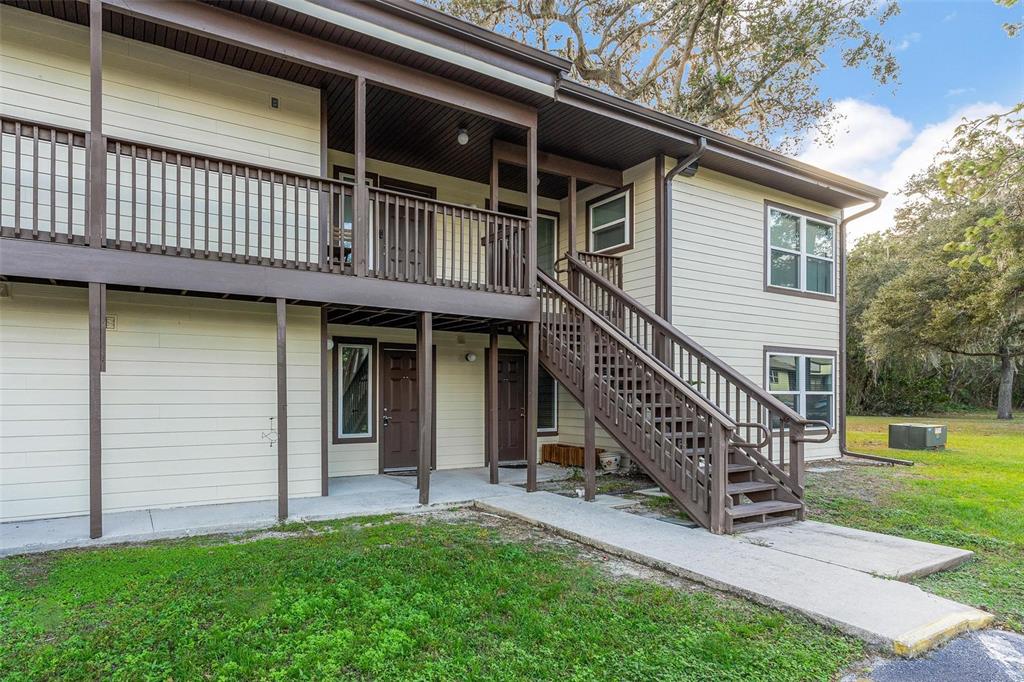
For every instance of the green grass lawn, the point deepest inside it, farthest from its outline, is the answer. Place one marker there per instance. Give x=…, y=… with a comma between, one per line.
x=400, y=598
x=969, y=495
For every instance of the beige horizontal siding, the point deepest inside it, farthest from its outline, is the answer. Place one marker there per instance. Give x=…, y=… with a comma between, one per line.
x=718, y=295
x=189, y=392
x=155, y=95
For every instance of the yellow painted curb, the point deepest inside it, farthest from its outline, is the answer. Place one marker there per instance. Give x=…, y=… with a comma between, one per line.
x=921, y=639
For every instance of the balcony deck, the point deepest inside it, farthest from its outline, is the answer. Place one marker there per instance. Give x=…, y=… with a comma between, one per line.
x=234, y=228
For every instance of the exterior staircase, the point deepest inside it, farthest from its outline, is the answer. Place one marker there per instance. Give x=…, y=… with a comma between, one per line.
x=726, y=451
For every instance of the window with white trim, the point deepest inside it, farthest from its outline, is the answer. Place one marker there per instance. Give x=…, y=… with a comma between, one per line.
x=354, y=381
x=609, y=221
x=805, y=383
x=801, y=253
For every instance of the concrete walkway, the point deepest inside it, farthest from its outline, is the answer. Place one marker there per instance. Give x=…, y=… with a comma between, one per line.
x=883, y=555
x=348, y=496
x=827, y=573
x=893, y=614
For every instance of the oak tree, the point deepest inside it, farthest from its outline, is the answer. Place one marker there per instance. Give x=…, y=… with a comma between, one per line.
x=745, y=67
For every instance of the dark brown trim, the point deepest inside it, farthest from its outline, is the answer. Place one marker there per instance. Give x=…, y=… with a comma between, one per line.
x=97, y=170
x=361, y=216
x=573, y=220
x=792, y=350
x=491, y=405
x=425, y=371
x=411, y=347
x=662, y=252
x=767, y=263
x=97, y=354
x=325, y=403
x=629, y=214
x=236, y=29
x=531, y=207
x=66, y=262
x=282, y=409
x=589, y=436
x=515, y=155
x=532, y=370
x=374, y=387
x=387, y=182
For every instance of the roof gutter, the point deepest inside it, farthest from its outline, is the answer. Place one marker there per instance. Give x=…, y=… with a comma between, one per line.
x=844, y=451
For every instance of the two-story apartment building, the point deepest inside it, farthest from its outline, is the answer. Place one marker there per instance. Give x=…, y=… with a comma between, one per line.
x=250, y=248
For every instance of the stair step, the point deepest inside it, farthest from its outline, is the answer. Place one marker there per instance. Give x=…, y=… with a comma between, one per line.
x=747, y=526
x=749, y=487
x=737, y=468
x=742, y=511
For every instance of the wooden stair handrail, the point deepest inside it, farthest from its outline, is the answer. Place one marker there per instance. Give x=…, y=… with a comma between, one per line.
x=692, y=346
x=657, y=367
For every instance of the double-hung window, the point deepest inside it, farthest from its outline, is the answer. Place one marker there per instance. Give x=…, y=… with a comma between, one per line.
x=609, y=221
x=354, y=390
x=804, y=382
x=801, y=252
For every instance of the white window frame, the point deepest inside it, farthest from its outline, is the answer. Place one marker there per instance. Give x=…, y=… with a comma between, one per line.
x=627, y=230
x=553, y=429
x=370, y=397
x=801, y=392
x=802, y=253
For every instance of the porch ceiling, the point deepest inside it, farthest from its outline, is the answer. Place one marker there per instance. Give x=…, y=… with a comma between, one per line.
x=405, y=319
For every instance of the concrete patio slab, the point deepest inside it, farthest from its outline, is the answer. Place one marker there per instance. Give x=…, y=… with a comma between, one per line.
x=893, y=614
x=349, y=496
x=884, y=555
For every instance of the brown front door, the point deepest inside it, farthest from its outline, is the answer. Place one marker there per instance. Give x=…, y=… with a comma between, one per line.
x=511, y=407
x=399, y=410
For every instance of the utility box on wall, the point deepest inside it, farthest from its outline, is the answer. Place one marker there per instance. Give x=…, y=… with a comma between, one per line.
x=917, y=436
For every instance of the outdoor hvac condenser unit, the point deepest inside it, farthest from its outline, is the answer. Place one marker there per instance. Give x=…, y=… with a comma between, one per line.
x=917, y=436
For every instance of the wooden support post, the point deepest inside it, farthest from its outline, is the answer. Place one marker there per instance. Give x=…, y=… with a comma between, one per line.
x=324, y=205
x=362, y=242
x=97, y=172
x=282, y=411
x=719, y=468
x=589, y=446
x=492, y=406
x=97, y=365
x=532, y=370
x=531, y=210
x=796, y=462
x=425, y=386
x=325, y=401
x=495, y=180
x=572, y=216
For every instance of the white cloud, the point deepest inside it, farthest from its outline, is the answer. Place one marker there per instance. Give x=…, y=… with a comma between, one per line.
x=873, y=145
x=956, y=92
x=907, y=41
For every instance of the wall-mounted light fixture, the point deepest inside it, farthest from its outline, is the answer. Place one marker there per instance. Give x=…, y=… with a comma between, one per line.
x=470, y=356
x=330, y=344
x=462, y=136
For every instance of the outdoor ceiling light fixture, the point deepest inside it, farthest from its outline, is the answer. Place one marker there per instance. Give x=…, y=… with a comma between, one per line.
x=462, y=136
x=470, y=356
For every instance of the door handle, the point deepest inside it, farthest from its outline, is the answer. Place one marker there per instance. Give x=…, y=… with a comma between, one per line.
x=387, y=420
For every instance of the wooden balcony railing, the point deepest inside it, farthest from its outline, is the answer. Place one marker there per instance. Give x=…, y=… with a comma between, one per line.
x=434, y=242
x=178, y=203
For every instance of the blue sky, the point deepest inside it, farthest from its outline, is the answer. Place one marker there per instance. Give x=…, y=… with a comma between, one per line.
x=955, y=60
